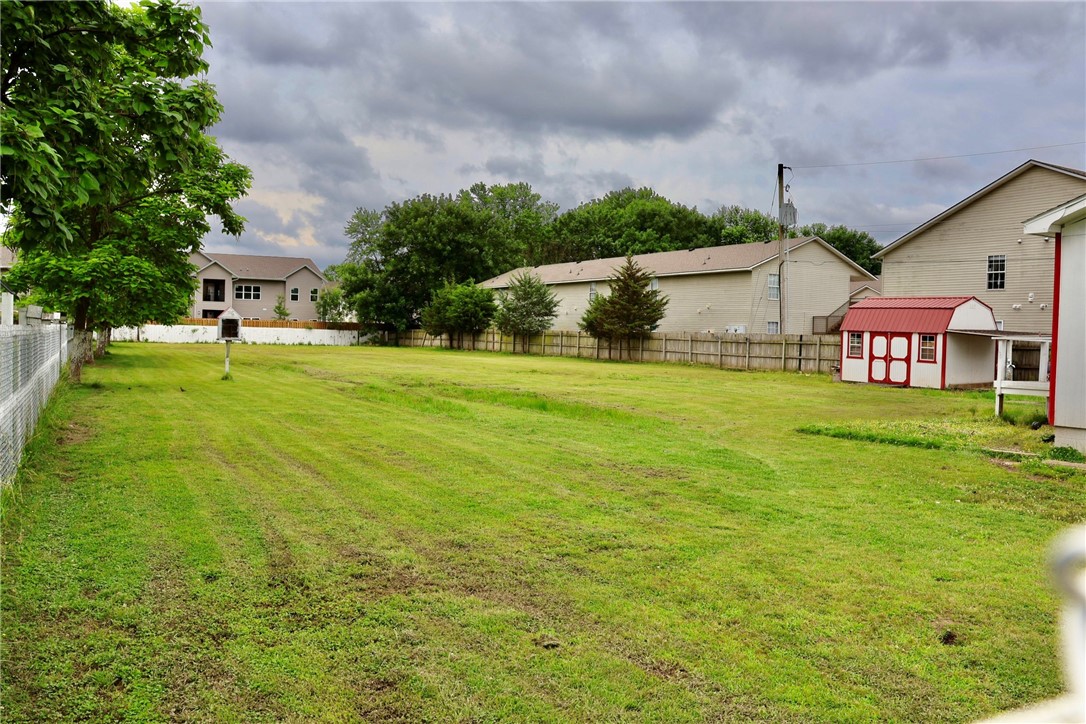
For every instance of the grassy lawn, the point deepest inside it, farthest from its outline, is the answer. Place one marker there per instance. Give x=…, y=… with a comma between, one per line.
x=405, y=534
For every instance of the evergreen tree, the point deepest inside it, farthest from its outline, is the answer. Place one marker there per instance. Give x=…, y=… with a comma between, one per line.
x=528, y=307
x=631, y=310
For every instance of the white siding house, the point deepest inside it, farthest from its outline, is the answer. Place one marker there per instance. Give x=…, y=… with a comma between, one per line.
x=936, y=342
x=736, y=288
x=977, y=248
x=1066, y=226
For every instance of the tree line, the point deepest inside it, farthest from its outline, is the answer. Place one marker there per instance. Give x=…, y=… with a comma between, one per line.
x=402, y=257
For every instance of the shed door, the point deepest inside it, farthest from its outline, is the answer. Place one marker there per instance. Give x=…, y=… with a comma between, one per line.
x=889, y=355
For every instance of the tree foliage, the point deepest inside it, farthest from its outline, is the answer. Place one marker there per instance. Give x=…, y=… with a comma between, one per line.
x=107, y=168
x=628, y=221
x=331, y=306
x=400, y=256
x=456, y=309
x=280, y=310
x=526, y=307
x=738, y=225
x=631, y=310
x=856, y=245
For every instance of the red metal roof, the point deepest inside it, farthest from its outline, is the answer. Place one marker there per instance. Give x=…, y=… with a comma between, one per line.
x=923, y=315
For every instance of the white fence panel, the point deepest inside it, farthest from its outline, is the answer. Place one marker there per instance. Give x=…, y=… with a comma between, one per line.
x=181, y=333
x=31, y=360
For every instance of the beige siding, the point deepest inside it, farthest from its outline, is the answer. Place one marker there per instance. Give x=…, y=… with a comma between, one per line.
x=305, y=281
x=255, y=308
x=572, y=301
x=199, y=305
x=706, y=302
x=951, y=258
x=817, y=282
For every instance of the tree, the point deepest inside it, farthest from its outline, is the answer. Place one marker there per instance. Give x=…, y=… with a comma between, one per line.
x=107, y=169
x=738, y=225
x=330, y=304
x=856, y=245
x=628, y=221
x=399, y=258
x=280, y=311
x=459, y=308
x=526, y=308
x=631, y=310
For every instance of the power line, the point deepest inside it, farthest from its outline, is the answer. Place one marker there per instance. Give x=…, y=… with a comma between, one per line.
x=941, y=158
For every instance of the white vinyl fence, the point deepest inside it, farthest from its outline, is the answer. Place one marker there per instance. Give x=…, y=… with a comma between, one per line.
x=31, y=359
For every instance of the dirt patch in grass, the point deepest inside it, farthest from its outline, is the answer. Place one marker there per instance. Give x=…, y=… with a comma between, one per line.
x=73, y=433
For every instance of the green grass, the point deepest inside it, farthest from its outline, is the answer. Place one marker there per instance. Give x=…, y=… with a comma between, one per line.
x=371, y=534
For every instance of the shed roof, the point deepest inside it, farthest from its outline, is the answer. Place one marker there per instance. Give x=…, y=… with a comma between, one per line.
x=705, y=260
x=924, y=315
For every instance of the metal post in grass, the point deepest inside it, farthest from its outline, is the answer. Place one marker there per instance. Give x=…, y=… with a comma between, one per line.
x=229, y=331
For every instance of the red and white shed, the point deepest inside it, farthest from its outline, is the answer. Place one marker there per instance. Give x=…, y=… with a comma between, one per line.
x=936, y=342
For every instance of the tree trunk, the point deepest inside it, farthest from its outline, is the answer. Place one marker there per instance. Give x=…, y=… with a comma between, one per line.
x=80, y=348
x=105, y=336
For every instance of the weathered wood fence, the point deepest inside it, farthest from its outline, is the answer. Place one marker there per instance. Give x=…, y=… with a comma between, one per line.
x=793, y=352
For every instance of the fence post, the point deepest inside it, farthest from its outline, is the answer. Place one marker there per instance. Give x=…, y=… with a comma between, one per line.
x=640, y=349
x=720, y=353
x=748, y=354
x=818, y=355
x=689, y=348
x=784, y=352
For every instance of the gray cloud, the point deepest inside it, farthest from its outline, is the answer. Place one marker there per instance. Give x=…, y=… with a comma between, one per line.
x=341, y=105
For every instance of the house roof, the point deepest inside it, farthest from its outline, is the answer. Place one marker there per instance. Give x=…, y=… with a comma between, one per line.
x=1002, y=180
x=856, y=285
x=706, y=260
x=924, y=315
x=1047, y=223
x=247, y=266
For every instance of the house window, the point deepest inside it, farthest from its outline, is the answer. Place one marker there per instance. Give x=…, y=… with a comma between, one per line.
x=312, y=295
x=591, y=291
x=246, y=291
x=927, y=348
x=654, y=284
x=294, y=294
x=214, y=290
x=773, y=327
x=774, y=287
x=997, y=271
x=855, y=344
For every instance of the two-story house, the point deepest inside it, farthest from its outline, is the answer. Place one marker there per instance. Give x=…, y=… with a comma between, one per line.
x=976, y=248
x=252, y=285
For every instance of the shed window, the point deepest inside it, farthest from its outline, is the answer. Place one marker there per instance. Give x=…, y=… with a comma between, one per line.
x=773, y=327
x=855, y=344
x=294, y=294
x=997, y=271
x=774, y=287
x=246, y=291
x=312, y=295
x=927, y=348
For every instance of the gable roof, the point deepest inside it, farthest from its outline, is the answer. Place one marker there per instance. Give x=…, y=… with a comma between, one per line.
x=247, y=266
x=924, y=315
x=1002, y=180
x=856, y=285
x=705, y=260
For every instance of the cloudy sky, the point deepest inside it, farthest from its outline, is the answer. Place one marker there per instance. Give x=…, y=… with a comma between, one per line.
x=340, y=105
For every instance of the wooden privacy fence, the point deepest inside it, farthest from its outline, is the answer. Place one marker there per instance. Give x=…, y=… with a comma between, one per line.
x=794, y=352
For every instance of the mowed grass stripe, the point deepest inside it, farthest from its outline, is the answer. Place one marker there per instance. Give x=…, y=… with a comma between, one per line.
x=410, y=534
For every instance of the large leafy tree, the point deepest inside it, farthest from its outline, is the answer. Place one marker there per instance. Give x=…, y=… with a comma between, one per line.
x=628, y=221
x=739, y=225
x=520, y=214
x=399, y=257
x=526, y=307
x=456, y=309
x=106, y=165
x=631, y=310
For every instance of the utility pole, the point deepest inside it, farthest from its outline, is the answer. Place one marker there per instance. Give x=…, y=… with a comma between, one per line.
x=780, y=244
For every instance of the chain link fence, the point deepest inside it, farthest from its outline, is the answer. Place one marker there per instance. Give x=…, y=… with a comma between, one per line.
x=31, y=359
